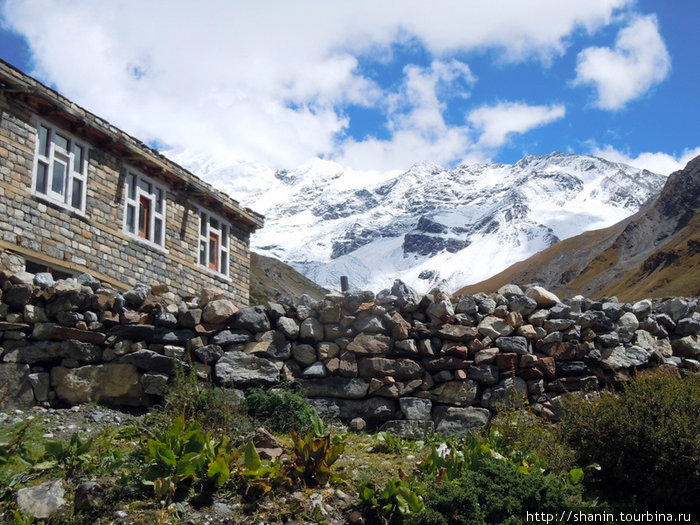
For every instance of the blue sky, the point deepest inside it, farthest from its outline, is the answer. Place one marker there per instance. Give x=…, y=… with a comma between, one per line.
x=375, y=85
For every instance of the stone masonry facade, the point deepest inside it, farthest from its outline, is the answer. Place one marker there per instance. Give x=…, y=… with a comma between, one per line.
x=402, y=361
x=92, y=239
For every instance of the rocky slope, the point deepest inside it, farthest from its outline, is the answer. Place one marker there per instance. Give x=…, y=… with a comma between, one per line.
x=272, y=280
x=430, y=225
x=655, y=252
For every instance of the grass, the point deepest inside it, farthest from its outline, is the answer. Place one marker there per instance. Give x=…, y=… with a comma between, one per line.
x=516, y=452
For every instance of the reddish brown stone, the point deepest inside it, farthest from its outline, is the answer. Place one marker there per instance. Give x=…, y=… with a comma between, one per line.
x=530, y=373
x=507, y=361
x=475, y=345
x=547, y=366
x=102, y=302
x=347, y=367
x=370, y=344
x=84, y=336
x=561, y=351
x=109, y=318
x=400, y=327
x=455, y=350
x=514, y=319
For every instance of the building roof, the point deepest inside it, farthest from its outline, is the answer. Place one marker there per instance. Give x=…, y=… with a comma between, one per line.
x=49, y=104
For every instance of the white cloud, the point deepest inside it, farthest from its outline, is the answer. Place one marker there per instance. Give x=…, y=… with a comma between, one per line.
x=416, y=121
x=498, y=122
x=658, y=162
x=268, y=81
x=638, y=61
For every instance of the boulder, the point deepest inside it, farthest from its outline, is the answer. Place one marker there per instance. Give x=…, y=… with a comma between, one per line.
x=17, y=391
x=151, y=361
x=111, y=383
x=336, y=387
x=459, y=421
x=485, y=374
x=494, y=327
x=515, y=344
x=304, y=354
x=407, y=298
x=42, y=501
x=399, y=369
x=311, y=330
x=371, y=409
x=457, y=393
x=415, y=408
x=544, y=298
x=288, y=326
x=231, y=337
x=252, y=319
x=370, y=344
x=243, y=370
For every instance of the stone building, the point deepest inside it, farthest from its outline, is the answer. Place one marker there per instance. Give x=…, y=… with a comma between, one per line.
x=78, y=195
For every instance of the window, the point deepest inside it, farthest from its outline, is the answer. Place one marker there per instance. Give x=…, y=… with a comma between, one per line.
x=213, y=243
x=35, y=267
x=60, y=167
x=144, y=215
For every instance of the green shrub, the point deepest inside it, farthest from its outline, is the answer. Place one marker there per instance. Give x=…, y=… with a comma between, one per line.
x=282, y=410
x=645, y=439
x=521, y=436
x=200, y=401
x=185, y=457
x=496, y=492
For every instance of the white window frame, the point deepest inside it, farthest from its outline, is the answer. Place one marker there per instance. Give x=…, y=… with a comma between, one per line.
x=50, y=154
x=145, y=205
x=211, y=227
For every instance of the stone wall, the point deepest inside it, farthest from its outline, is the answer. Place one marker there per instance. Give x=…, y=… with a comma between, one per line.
x=409, y=362
x=37, y=229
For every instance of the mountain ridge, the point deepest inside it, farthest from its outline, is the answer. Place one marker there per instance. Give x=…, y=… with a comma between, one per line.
x=655, y=252
x=430, y=225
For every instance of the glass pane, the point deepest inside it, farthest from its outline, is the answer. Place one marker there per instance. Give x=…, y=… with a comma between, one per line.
x=202, y=253
x=203, y=224
x=131, y=185
x=58, y=181
x=158, y=231
x=214, y=223
x=145, y=186
x=159, y=200
x=224, y=263
x=130, y=219
x=60, y=141
x=44, y=141
x=77, y=158
x=41, y=177
x=77, y=194
x=224, y=236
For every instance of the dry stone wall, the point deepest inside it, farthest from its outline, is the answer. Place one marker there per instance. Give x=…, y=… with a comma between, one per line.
x=408, y=362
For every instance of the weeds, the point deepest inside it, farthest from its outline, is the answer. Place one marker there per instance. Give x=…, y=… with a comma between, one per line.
x=282, y=410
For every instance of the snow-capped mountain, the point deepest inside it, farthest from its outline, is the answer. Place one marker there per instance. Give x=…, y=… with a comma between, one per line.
x=430, y=225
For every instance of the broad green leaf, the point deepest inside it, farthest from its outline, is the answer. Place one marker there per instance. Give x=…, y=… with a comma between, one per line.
x=165, y=455
x=219, y=471
x=251, y=457
x=575, y=476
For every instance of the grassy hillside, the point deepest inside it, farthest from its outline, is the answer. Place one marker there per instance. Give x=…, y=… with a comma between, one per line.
x=273, y=280
x=654, y=253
